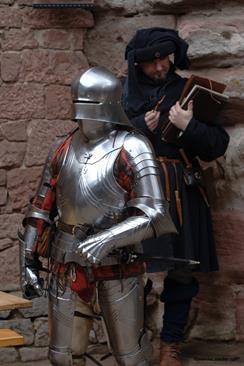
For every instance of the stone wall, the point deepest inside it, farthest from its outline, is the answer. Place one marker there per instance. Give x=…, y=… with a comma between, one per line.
x=41, y=52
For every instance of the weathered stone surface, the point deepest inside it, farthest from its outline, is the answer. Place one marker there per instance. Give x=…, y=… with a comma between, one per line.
x=5, y=243
x=234, y=170
x=66, y=65
x=126, y=7
x=22, y=184
x=77, y=41
x=10, y=16
x=12, y=154
x=3, y=196
x=24, y=326
x=14, y=131
x=239, y=306
x=232, y=77
x=49, y=18
x=42, y=135
x=10, y=66
x=55, y=39
x=4, y=314
x=105, y=44
x=33, y=354
x=58, y=102
x=215, y=38
x=8, y=354
x=131, y=7
x=3, y=177
x=8, y=2
x=22, y=101
x=35, y=65
x=39, y=308
x=216, y=315
x=51, y=66
x=41, y=336
x=230, y=247
x=9, y=270
x=18, y=39
x=9, y=225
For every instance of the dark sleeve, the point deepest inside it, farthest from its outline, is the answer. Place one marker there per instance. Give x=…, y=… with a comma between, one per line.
x=139, y=123
x=208, y=142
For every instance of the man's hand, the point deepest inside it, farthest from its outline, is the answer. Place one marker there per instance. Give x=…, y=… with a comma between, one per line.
x=180, y=117
x=152, y=119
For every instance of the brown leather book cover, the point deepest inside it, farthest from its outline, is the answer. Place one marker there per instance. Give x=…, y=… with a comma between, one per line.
x=208, y=101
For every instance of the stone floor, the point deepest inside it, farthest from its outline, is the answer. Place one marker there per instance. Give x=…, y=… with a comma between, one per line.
x=195, y=353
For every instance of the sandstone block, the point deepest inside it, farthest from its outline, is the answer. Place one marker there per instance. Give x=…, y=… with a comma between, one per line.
x=5, y=244
x=58, y=102
x=22, y=184
x=112, y=36
x=51, y=66
x=8, y=2
x=41, y=335
x=232, y=77
x=10, y=66
x=215, y=38
x=35, y=65
x=77, y=41
x=55, y=39
x=12, y=154
x=22, y=101
x=3, y=196
x=17, y=39
x=9, y=271
x=216, y=313
x=8, y=355
x=14, y=131
x=45, y=133
x=239, y=298
x=33, y=353
x=230, y=247
x=10, y=16
x=3, y=177
x=39, y=308
x=127, y=7
x=24, y=326
x=9, y=224
x=49, y=18
x=4, y=314
x=66, y=65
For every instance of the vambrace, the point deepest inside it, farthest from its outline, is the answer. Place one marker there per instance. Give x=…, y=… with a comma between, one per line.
x=30, y=282
x=34, y=212
x=156, y=210
x=37, y=232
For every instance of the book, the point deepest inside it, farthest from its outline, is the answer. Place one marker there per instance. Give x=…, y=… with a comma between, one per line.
x=208, y=101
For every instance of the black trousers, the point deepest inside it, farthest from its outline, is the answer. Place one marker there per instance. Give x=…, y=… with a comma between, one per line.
x=179, y=289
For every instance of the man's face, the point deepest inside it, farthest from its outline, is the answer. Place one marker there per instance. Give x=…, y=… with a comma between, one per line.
x=156, y=69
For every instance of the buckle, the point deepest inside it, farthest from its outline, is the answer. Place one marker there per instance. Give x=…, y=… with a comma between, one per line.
x=79, y=232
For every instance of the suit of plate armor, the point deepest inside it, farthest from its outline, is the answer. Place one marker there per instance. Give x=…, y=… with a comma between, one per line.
x=87, y=221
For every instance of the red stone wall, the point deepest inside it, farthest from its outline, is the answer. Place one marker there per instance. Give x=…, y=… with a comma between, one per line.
x=42, y=50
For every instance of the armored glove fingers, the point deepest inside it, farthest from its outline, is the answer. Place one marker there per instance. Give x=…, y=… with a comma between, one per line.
x=96, y=247
x=32, y=284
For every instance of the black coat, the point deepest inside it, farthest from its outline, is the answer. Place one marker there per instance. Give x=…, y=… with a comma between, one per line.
x=195, y=236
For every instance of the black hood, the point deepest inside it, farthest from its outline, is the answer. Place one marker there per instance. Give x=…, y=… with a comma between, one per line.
x=146, y=45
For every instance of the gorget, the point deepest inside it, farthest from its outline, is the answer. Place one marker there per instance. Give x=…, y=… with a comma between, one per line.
x=87, y=191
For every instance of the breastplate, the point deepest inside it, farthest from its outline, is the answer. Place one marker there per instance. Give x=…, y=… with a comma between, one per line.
x=87, y=191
